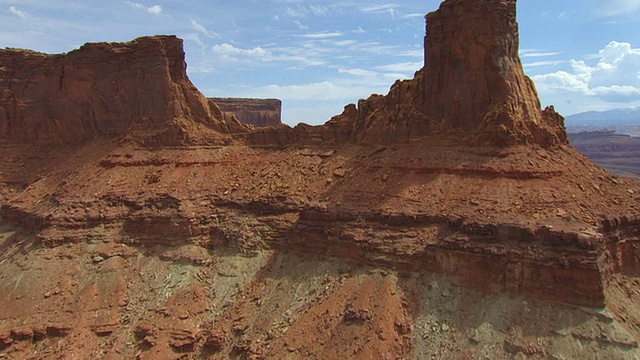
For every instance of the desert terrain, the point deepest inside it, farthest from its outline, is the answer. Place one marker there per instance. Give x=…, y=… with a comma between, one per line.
x=450, y=218
x=618, y=153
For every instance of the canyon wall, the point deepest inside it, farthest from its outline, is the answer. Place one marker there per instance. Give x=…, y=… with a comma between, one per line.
x=454, y=121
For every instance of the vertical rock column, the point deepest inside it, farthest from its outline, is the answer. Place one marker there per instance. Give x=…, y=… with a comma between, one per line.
x=474, y=79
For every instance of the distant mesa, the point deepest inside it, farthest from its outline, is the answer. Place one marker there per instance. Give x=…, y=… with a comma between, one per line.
x=623, y=121
x=256, y=112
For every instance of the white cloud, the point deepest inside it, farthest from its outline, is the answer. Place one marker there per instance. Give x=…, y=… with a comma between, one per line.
x=301, y=26
x=615, y=76
x=317, y=10
x=21, y=14
x=305, y=11
x=404, y=66
x=204, y=69
x=155, y=10
x=201, y=28
x=231, y=52
x=320, y=91
x=528, y=54
x=380, y=9
x=134, y=4
x=357, y=72
x=322, y=35
x=544, y=63
x=301, y=56
x=342, y=42
x=605, y=8
x=414, y=15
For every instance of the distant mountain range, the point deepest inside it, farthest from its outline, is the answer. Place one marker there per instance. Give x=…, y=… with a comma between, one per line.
x=622, y=121
x=615, y=116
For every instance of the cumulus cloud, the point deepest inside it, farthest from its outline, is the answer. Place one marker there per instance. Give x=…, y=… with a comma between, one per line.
x=19, y=13
x=231, y=52
x=155, y=10
x=612, y=76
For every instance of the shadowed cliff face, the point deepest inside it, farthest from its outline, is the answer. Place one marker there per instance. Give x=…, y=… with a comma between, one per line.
x=138, y=88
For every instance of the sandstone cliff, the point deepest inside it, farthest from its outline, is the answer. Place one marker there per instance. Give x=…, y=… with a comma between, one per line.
x=472, y=88
x=139, y=89
x=367, y=237
x=474, y=78
x=257, y=112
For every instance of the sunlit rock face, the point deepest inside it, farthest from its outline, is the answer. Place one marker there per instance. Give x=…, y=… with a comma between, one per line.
x=474, y=79
x=139, y=88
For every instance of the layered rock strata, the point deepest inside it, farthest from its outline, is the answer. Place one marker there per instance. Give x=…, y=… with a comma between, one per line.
x=257, y=112
x=138, y=89
x=474, y=78
x=144, y=192
x=472, y=88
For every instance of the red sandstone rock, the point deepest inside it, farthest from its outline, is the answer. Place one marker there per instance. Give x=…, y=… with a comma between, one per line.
x=322, y=250
x=257, y=112
x=474, y=80
x=472, y=87
x=139, y=89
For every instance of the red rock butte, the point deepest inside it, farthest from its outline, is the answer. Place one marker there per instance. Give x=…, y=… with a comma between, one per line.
x=135, y=211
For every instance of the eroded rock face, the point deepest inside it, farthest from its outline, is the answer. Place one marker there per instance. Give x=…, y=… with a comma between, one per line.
x=139, y=88
x=257, y=112
x=472, y=87
x=321, y=243
x=474, y=77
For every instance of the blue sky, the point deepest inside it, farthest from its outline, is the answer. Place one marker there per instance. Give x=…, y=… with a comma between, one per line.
x=318, y=56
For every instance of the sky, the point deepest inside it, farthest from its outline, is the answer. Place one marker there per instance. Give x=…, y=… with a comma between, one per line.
x=319, y=55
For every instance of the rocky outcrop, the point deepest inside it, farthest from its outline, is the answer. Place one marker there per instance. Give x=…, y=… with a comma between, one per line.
x=474, y=80
x=256, y=112
x=112, y=249
x=139, y=89
x=472, y=88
